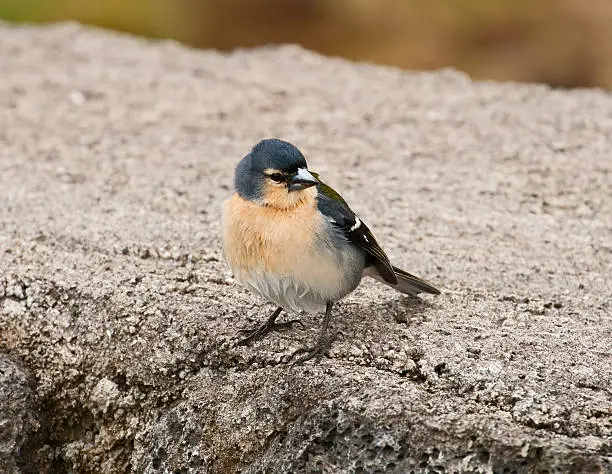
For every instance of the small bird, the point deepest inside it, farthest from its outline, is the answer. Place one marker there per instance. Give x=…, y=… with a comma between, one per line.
x=294, y=241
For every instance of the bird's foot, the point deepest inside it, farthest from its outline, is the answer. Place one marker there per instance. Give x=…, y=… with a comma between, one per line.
x=262, y=330
x=315, y=352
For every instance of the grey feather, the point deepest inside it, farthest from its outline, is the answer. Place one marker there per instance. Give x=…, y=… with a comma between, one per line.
x=406, y=282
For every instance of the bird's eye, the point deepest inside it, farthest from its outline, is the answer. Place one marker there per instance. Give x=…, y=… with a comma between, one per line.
x=277, y=177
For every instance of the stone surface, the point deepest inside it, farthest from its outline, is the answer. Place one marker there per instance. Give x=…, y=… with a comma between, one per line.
x=115, y=155
x=18, y=418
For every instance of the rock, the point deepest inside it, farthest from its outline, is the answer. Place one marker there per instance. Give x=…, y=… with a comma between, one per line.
x=116, y=155
x=18, y=418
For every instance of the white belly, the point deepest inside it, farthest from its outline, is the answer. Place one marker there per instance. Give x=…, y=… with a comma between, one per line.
x=286, y=292
x=334, y=275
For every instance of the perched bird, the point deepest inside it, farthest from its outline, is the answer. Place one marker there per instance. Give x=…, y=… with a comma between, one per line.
x=294, y=241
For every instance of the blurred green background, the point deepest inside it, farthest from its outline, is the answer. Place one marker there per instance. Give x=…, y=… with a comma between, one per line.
x=565, y=43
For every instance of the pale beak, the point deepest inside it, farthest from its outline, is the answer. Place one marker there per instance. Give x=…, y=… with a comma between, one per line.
x=302, y=180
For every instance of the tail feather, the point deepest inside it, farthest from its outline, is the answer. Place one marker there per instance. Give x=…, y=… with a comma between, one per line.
x=406, y=282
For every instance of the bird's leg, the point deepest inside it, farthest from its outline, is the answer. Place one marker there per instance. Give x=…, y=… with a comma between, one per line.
x=323, y=343
x=269, y=326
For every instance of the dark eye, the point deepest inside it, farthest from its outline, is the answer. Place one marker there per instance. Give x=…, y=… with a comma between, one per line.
x=277, y=177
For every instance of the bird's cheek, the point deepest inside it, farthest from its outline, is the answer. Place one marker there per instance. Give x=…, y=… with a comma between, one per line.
x=280, y=197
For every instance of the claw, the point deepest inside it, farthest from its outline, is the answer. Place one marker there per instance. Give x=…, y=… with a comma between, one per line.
x=323, y=344
x=310, y=353
x=261, y=331
x=316, y=352
x=296, y=321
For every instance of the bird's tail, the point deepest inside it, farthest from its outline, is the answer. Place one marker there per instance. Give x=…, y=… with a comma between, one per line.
x=406, y=282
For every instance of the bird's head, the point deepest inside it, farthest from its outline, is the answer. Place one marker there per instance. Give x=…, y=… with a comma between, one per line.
x=275, y=174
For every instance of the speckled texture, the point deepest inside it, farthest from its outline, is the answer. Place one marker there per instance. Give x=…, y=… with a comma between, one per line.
x=19, y=422
x=115, y=156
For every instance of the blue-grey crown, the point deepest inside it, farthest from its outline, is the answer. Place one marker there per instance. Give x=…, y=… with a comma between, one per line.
x=267, y=154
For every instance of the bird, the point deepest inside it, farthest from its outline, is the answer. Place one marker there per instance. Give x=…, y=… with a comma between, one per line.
x=291, y=239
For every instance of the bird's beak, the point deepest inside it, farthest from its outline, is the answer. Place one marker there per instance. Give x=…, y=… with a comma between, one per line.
x=302, y=180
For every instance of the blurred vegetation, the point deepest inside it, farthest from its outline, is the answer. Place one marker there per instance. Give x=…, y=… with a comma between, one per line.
x=566, y=43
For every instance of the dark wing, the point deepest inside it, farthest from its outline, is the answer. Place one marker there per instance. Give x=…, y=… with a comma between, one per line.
x=412, y=285
x=341, y=216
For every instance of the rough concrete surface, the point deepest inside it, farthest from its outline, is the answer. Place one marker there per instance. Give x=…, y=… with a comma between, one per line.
x=18, y=420
x=120, y=317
